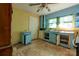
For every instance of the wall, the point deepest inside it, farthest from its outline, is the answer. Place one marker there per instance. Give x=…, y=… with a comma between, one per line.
x=64, y=12
x=20, y=23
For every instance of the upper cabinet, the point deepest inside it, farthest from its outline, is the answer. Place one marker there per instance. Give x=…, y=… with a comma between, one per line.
x=77, y=21
x=43, y=23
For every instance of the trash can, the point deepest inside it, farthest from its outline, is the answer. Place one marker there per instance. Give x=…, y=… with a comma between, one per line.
x=26, y=38
x=77, y=49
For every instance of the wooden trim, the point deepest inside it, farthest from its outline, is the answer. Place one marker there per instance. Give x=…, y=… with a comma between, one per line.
x=38, y=27
x=58, y=40
x=28, y=25
x=69, y=41
x=75, y=36
x=4, y=47
x=11, y=45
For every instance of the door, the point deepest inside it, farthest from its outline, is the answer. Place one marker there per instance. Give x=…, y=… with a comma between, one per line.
x=33, y=26
x=5, y=28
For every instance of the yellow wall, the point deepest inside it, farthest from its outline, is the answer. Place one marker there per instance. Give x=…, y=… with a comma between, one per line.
x=20, y=21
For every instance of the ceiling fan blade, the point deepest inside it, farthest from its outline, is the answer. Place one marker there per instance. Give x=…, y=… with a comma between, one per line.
x=34, y=4
x=48, y=9
x=38, y=10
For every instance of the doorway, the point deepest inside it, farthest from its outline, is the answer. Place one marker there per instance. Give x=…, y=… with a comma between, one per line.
x=33, y=26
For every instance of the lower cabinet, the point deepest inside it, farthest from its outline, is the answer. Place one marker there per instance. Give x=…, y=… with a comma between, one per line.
x=52, y=37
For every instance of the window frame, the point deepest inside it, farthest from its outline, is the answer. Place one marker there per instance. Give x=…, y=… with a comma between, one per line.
x=58, y=22
x=52, y=23
x=67, y=22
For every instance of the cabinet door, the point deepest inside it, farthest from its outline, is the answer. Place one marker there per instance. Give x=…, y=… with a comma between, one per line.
x=52, y=37
x=77, y=21
x=5, y=24
x=5, y=27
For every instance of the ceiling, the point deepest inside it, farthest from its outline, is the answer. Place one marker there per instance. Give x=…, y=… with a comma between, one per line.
x=53, y=7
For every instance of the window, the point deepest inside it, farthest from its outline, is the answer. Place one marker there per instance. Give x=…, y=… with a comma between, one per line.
x=66, y=22
x=52, y=23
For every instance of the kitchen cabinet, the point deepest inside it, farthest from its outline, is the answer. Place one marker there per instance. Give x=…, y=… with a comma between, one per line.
x=5, y=28
x=62, y=35
x=69, y=37
x=51, y=37
x=77, y=20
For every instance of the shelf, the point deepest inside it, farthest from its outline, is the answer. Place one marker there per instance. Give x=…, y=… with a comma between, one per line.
x=64, y=40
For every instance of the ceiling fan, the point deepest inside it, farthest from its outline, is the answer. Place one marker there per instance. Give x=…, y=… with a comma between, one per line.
x=42, y=6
